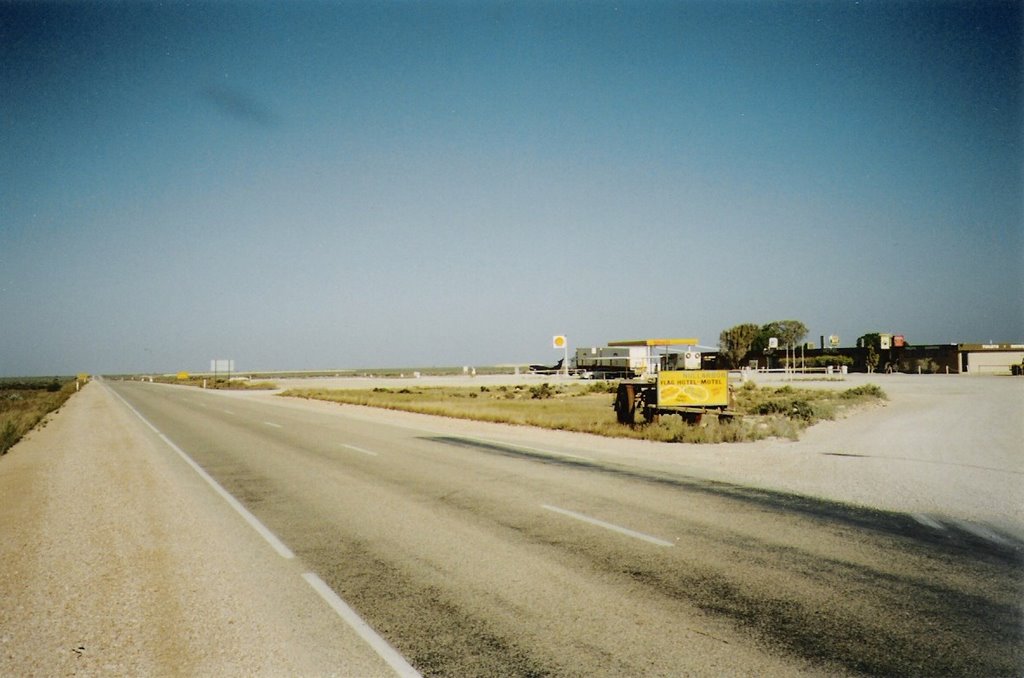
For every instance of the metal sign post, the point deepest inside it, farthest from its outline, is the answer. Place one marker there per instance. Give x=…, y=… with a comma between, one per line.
x=218, y=366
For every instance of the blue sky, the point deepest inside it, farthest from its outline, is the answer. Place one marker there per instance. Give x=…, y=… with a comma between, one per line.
x=328, y=185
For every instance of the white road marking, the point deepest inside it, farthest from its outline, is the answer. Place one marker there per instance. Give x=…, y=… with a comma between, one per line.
x=253, y=521
x=359, y=449
x=608, y=526
x=926, y=521
x=270, y=423
x=983, y=532
x=227, y=411
x=383, y=649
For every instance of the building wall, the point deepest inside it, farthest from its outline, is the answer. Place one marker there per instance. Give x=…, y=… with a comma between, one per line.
x=991, y=362
x=935, y=359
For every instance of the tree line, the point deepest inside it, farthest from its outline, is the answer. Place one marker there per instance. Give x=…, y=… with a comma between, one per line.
x=736, y=343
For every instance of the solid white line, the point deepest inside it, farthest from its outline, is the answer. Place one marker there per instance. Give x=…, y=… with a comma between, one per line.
x=608, y=526
x=253, y=521
x=383, y=649
x=270, y=423
x=926, y=521
x=359, y=449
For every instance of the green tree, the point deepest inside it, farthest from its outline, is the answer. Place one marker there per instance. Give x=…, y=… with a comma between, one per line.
x=791, y=332
x=870, y=340
x=872, y=358
x=736, y=342
x=788, y=332
x=766, y=332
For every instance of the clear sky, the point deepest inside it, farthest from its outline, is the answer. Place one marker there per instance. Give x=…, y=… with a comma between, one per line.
x=327, y=185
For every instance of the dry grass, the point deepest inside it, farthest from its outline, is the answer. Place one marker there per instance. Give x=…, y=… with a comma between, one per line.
x=25, y=402
x=781, y=412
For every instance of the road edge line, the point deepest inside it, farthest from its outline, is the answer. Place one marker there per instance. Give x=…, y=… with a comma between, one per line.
x=390, y=655
x=270, y=537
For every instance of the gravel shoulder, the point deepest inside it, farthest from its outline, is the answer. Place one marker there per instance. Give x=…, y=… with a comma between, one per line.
x=117, y=559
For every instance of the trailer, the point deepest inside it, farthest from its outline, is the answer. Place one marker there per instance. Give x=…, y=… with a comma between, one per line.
x=691, y=394
x=672, y=383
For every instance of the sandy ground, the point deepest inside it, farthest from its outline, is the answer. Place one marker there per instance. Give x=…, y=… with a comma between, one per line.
x=945, y=447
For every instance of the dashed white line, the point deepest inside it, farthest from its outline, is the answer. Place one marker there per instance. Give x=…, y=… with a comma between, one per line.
x=608, y=526
x=227, y=411
x=270, y=423
x=384, y=650
x=359, y=449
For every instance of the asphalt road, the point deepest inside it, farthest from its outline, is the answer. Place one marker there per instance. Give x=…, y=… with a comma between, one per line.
x=471, y=555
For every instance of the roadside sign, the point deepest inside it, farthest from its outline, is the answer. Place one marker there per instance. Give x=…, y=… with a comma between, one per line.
x=693, y=388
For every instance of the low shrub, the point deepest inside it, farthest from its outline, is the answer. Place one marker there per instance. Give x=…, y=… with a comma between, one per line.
x=24, y=404
x=542, y=392
x=9, y=434
x=771, y=412
x=865, y=391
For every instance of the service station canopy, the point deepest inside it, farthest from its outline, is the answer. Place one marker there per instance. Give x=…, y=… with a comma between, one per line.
x=656, y=342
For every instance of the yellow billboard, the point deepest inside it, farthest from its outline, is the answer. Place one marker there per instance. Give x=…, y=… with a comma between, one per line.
x=693, y=388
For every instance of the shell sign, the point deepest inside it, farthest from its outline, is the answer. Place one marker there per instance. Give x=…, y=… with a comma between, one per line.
x=558, y=341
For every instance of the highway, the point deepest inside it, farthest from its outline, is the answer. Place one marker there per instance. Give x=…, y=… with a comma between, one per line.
x=478, y=556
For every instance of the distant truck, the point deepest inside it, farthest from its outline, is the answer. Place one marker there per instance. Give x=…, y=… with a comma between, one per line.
x=672, y=383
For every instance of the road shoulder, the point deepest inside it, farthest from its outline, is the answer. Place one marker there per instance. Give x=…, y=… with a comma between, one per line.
x=117, y=559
